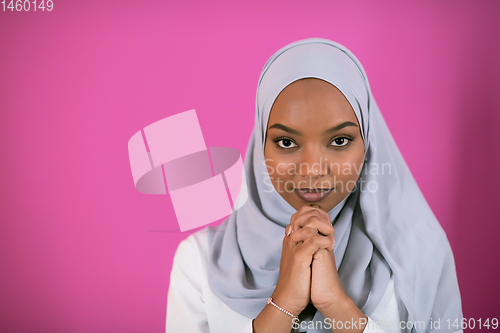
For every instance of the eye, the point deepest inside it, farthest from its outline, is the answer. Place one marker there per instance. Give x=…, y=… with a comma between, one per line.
x=341, y=141
x=285, y=143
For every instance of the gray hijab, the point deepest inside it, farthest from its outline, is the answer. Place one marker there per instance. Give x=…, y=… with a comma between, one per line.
x=383, y=228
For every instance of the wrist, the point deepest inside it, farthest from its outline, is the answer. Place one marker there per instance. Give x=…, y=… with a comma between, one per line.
x=272, y=320
x=339, y=305
x=270, y=301
x=286, y=304
x=346, y=311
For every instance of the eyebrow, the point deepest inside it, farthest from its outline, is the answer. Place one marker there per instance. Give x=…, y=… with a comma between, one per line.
x=330, y=130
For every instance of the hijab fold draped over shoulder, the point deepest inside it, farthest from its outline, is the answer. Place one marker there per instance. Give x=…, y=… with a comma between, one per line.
x=383, y=228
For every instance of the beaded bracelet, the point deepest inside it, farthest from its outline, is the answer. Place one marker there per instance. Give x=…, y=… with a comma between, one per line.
x=270, y=301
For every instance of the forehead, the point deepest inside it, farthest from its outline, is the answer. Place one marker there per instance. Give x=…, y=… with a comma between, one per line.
x=313, y=102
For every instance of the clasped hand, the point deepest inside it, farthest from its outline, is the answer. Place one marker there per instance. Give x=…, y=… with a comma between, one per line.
x=308, y=271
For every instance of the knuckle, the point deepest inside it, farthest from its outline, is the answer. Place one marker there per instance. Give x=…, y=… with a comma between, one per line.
x=321, y=241
x=300, y=210
x=321, y=220
x=311, y=232
x=316, y=212
x=310, y=241
x=312, y=222
x=317, y=240
x=314, y=217
x=305, y=233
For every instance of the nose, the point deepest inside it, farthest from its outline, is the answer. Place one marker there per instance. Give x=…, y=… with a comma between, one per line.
x=312, y=164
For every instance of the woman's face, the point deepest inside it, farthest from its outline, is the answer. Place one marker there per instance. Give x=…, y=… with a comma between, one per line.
x=313, y=148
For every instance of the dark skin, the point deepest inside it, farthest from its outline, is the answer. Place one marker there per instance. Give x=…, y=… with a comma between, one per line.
x=318, y=145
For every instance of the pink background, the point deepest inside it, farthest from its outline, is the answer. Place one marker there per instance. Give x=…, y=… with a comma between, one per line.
x=82, y=251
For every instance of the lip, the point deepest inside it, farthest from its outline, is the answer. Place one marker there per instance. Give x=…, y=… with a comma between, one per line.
x=311, y=195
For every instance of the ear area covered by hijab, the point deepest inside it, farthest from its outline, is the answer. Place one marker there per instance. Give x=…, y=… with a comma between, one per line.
x=387, y=232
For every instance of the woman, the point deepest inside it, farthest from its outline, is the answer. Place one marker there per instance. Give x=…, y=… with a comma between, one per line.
x=335, y=236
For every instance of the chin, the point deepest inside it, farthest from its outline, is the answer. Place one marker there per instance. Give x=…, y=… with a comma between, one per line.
x=326, y=206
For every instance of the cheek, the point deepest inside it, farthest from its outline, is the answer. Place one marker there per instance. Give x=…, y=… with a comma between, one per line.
x=355, y=158
x=284, y=170
x=277, y=167
x=280, y=172
x=349, y=170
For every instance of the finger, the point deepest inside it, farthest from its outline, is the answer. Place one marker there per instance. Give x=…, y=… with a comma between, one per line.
x=302, y=234
x=314, y=226
x=286, y=239
x=304, y=211
x=313, y=244
x=302, y=216
x=322, y=230
x=319, y=225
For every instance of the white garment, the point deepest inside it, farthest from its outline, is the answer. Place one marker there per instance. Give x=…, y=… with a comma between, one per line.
x=193, y=308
